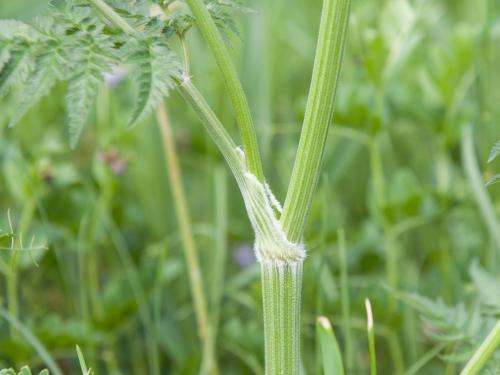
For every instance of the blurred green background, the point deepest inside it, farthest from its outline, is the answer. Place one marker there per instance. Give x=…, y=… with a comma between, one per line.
x=420, y=86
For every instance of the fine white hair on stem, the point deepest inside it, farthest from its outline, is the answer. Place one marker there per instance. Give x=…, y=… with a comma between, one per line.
x=271, y=243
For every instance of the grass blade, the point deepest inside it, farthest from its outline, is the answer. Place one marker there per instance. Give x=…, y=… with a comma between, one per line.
x=332, y=359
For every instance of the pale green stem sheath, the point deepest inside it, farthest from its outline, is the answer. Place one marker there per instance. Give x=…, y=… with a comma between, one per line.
x=187, y=237
x=318, y=116
x=484, y=352
x=238, y=98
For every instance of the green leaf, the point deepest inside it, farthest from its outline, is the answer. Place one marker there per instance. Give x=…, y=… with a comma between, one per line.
x=38, y=85
x=330, y=352
x=25, y=370
x=81, y=94
x=487, y=286
x=15, y=71
x=11, y=30
x=4, y=57
x=156, y=68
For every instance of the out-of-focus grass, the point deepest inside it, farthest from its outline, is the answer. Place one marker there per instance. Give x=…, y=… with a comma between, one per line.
x=416, y=73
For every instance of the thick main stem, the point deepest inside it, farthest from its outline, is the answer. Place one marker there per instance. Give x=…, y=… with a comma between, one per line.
x=281, y=289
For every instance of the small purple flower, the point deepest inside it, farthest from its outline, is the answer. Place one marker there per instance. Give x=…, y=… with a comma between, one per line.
x=113, y=160
x=244, y=255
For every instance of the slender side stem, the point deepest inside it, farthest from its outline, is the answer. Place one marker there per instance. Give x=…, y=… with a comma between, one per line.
x=484, y=352
x=477, y=184
x=318, y=116
x=281, y=290
x=233, y=84
x=219, y=266
x=189, y=245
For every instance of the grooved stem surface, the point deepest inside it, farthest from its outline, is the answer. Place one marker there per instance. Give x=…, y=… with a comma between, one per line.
x=281, y=290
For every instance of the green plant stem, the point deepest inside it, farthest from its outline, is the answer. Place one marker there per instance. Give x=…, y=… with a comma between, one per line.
x=112, y=16
x=281, y=289
x=484, y=352
x=344, y=297
x=189, y=245
x=241, y=109
x=318, y=116
x=217, y=287
x=371, y=338
x=476, y=182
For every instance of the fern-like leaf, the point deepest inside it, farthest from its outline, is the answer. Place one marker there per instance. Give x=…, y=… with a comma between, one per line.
x=16, y=70
x=92, y=55
x=12, y=30
x=155, y=70
x=38, y=85
x=81, y=94
x=488, y=288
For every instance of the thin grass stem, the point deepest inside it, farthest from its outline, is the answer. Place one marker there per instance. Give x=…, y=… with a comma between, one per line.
x=490, y=344
x=188, y=242
x=371, y=337
x=345, y=302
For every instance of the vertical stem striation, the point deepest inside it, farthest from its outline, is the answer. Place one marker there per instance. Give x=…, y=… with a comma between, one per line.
x=281, y=290
x=318, y=116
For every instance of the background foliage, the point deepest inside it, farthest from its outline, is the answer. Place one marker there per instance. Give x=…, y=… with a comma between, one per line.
x=416, y=74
